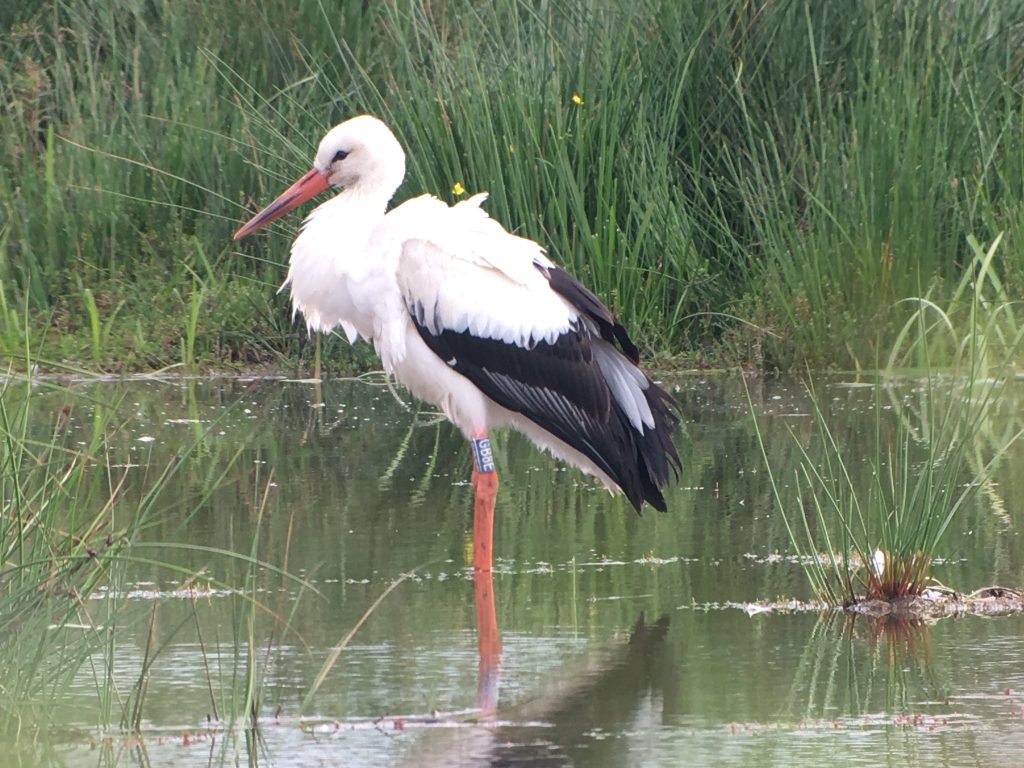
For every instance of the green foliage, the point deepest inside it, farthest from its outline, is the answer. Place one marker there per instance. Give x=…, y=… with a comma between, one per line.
x=73, y=512
x=64, y=528
x=768, y=178
x=861, y=191
x=876, y=539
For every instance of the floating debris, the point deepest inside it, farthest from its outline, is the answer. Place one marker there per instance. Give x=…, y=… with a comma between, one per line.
x=139, y=592
x=939, y=602
x=935, y=603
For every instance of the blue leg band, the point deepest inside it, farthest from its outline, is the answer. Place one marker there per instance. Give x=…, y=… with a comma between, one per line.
x=483, y=459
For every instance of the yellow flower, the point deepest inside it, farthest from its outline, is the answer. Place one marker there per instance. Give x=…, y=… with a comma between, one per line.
x=577, y=100
x=458, y=189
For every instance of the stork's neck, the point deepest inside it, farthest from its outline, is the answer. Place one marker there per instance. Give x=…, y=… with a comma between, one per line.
x=351, y=214
x=368, y=192
x=331, y=256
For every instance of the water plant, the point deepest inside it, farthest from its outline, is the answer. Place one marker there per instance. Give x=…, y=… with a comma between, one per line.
x=874, y=535
x=79, y=517
x=61, y=532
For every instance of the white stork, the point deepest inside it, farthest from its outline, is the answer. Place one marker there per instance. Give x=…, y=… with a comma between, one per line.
x=473, y=320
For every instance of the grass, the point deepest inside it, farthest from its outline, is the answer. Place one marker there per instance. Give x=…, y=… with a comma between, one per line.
x=51, y=558
x=875, y=536
x=747, y=183
x=77, y=516
x=64, y=529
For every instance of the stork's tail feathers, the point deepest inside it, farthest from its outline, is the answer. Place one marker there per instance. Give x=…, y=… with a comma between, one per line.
x=656, y=455
x=646, y=414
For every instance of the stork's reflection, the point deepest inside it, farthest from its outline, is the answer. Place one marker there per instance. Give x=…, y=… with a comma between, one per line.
x=488, y=643
x=553, y=726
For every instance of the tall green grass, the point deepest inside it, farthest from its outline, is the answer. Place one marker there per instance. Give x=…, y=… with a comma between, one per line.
x=64, y=529
x=876, y=537
x=897, y=139
x=77, y=521
x=747, y=182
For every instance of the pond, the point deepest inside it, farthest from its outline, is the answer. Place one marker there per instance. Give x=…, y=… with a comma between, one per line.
x=625, y=639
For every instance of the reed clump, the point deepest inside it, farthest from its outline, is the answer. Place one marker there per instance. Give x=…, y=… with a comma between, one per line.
x=74, y=514
x=938, y=434
x=60, y=536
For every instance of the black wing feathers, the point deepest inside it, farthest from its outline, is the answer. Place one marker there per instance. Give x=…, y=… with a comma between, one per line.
x=577, y=294
x=559, y=386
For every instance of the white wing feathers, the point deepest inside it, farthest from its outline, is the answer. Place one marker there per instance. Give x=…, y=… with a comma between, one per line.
x=462, y=271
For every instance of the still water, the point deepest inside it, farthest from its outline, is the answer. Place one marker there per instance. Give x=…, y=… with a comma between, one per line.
x=626, y=640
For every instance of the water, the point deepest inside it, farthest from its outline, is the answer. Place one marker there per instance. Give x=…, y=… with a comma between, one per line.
x=627, y=640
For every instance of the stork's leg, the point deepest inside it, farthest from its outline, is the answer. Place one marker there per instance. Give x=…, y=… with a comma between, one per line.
x=485, y=489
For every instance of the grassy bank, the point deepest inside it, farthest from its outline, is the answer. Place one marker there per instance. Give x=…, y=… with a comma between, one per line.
x=744, y=183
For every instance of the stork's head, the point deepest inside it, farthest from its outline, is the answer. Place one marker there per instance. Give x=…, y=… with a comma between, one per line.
x=359, y=154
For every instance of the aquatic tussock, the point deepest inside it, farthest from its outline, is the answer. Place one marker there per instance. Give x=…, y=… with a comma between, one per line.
x=73, y=516
x=880, y=530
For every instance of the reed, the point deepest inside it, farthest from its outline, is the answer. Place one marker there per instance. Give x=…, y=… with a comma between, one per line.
x=75, y=519
x=62, y=534
x=747, y=183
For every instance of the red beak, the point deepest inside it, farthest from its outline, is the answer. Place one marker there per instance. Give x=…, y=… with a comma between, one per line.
x=313, y=183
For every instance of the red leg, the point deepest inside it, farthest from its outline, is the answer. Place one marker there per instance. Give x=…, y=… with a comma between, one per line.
x=485, y=491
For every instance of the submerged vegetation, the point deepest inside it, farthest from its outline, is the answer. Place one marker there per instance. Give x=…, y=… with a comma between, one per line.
x=751, y=183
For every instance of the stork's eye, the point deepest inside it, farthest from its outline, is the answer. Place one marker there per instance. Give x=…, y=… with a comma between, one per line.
x=341, y=154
